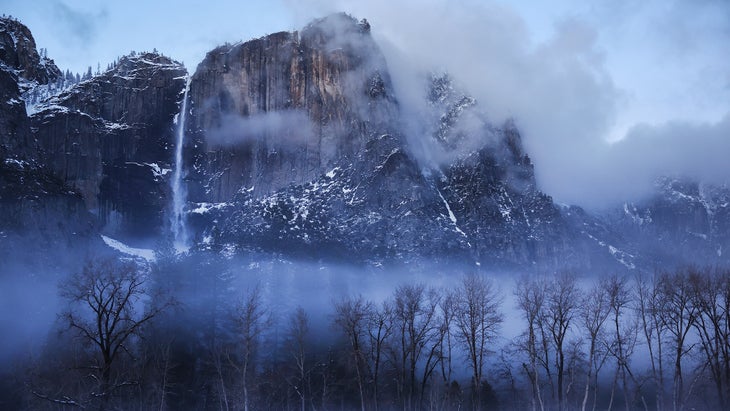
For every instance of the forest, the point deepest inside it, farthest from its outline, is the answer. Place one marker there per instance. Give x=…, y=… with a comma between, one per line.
x=175, y=336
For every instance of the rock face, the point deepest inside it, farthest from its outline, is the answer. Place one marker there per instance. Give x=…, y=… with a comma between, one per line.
x=14, y=122
x=682, y=222
x=298, y=148
x=285, y=108
x=373, y=208
x=39, y=212
x=18, y=53
x=295, y=146
x=111, y=138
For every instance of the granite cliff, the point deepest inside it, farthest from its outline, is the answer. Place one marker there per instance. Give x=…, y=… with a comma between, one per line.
x=295, y=145
x=285, y=108
x=111, y=139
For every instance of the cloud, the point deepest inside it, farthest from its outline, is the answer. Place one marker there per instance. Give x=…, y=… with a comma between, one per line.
x=628, y=168
x=292, y=126
x=80, y=27
x=573, y=77
x=556, y=90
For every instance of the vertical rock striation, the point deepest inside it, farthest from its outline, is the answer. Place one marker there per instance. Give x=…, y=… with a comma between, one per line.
x=112, y=139
x=18, y=53
x=283, y=109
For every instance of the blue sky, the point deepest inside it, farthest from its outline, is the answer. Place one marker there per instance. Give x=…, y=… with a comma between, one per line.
x=578, y=76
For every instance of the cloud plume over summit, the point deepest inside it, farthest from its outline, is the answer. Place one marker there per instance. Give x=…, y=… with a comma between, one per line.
x=575, y=76
x=603, y=95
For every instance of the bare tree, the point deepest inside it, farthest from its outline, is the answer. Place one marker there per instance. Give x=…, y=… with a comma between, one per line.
x=622, y=340
x=379, y=328
x=711, y=297
x=477, y=317
x=351, y=315
x=104, y=300
x=647, y=305
x=251, y=320
x=448, y=312
x=678, y=315
x=433, y=340
x=415, y=326
x=593, y=314
x=561, y=305
x=296, y=341
x=530, y=294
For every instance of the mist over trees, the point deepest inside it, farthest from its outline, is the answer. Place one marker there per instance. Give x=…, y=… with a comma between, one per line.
x=175, y=335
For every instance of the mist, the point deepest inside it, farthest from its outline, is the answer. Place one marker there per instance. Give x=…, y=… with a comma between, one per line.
x=591, y=146
x=193, y=352
x=290, y=126
x=606, y=97
x=29, y=305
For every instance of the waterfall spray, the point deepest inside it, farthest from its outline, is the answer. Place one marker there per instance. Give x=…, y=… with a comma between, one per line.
x=179, y=194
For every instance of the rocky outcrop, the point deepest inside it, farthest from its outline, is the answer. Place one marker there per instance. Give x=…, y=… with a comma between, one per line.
x=295, y=147
x=42, y=218
x=285, y=108
x=18, y=53
x=39, y=212
x=495, y=203
x=112, y=139
x=14, y=122
x=378, y=207
x=682, y=222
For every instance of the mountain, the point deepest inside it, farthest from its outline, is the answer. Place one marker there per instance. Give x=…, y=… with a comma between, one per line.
x=38, y=209
x=296, y=146
x=111, y=139
x=18, y=54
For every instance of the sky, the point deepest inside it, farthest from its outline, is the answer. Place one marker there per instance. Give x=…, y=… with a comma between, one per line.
x=608, y=94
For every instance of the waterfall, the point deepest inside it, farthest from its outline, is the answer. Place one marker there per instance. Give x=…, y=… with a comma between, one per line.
x=179, y=194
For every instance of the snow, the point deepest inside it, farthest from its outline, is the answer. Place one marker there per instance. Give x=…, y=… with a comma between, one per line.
x=203, y=208
x=331, y=173
x=146, y=254
x=633, y=213
x=157, y=171
x=678, y=195
x=506, y=209
x=392, y=153
x=452, y=217
x=620, y=256
x=19, y=163
x=109, y=125
x=229, y=251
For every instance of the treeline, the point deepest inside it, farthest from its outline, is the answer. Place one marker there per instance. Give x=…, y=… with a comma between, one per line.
x=66, y=80
x=178, y=337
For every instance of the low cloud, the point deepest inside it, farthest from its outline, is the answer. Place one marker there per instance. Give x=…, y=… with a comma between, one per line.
x=628, y=168
x=292, y=126
x=79, y=26
x=573, y=78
